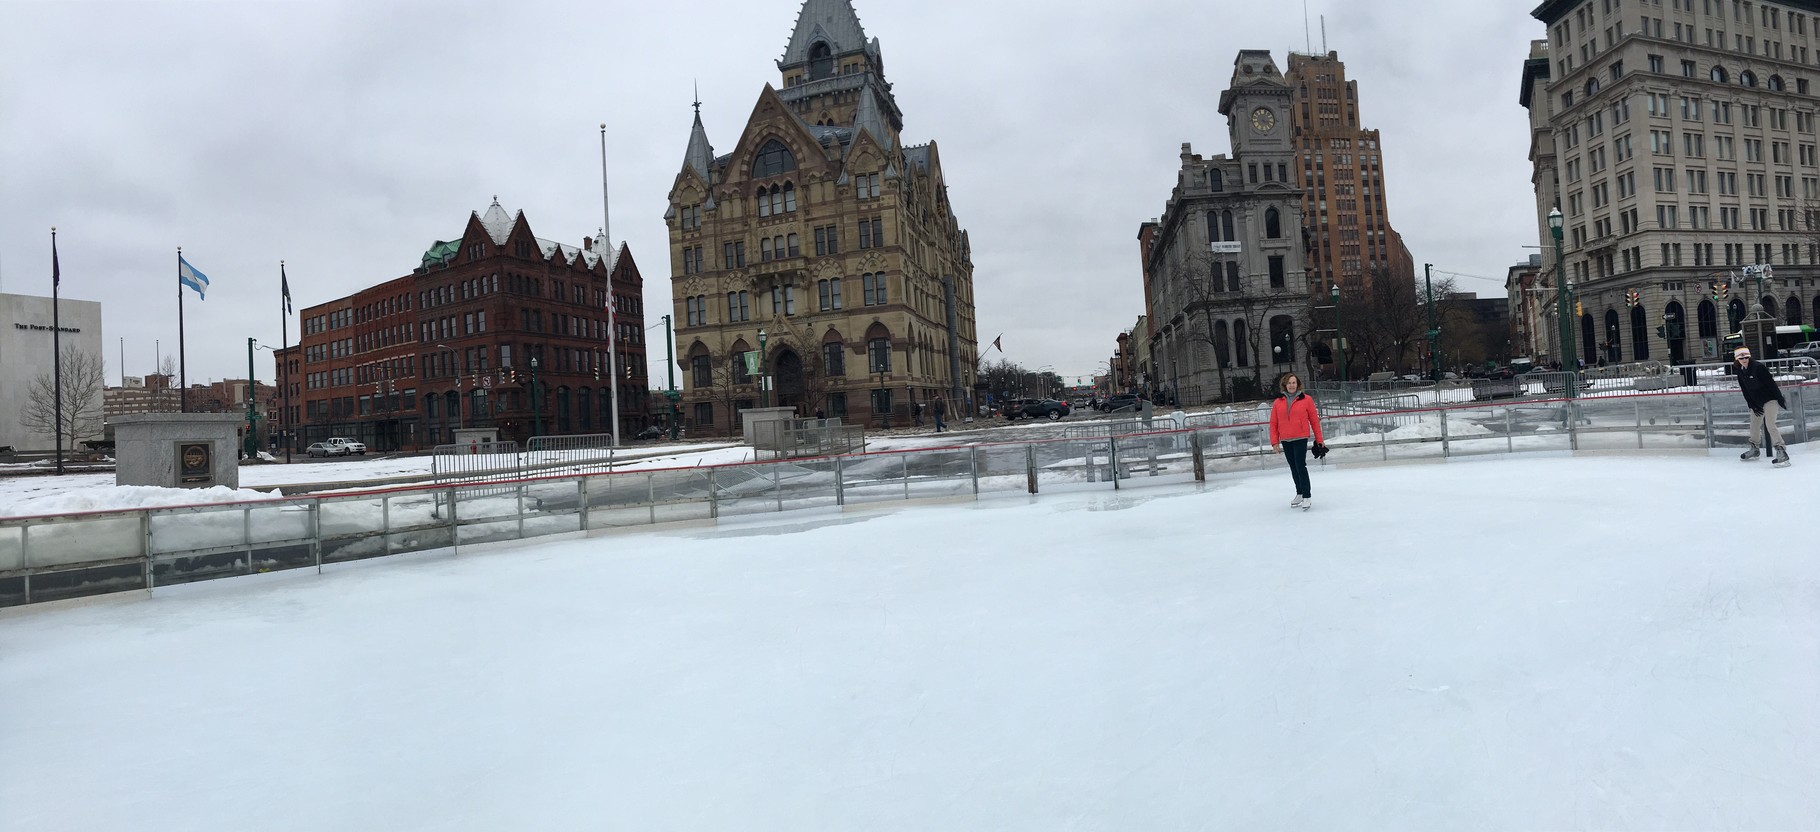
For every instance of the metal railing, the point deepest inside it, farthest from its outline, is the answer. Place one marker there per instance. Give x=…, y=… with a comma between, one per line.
x=795, y=438
x=47, y=558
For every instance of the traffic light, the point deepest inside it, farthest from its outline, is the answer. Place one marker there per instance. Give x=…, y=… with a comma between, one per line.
x=1662, y=332
x=1579, y=308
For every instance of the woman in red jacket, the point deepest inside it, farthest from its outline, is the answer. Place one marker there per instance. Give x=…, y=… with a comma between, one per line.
x=1293, y=423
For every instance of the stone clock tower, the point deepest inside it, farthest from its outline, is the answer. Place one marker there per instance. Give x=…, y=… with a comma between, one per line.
x=1256, y=106
x=1225, y=278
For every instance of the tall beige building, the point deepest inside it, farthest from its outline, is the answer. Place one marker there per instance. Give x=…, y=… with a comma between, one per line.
x=1349, y=235
x=1678, y=140
x=822, y=246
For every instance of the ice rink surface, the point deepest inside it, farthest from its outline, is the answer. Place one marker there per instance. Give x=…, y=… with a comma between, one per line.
x=1508, y=643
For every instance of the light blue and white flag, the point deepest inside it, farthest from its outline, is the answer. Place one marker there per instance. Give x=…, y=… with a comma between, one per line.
x=188, y=276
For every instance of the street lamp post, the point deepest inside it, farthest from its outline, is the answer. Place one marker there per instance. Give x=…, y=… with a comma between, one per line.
x=764, y=390
x=452, y=356
x=536, y=412
x=670, y=364
x=1561, y=320
x=1339, y=336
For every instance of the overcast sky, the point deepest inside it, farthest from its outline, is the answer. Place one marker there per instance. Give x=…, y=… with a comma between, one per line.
x=344, y=138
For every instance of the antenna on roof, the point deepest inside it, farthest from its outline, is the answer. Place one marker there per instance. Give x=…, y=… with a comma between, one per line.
x=1323, y=34
x=1305, y=36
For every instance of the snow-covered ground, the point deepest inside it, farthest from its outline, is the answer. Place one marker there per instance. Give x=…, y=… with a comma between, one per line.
x=1508, y=643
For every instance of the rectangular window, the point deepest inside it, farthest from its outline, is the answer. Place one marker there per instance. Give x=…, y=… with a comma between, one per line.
x=1276, y=272
x=834, y=359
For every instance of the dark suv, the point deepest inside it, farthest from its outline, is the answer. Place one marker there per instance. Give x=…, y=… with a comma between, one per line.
x=1122, y=401
x=1035, y=409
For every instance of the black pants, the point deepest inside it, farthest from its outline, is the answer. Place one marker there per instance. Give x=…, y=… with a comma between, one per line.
x=1296, y=451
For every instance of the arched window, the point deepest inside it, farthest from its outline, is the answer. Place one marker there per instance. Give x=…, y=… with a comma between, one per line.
x=789, y=197
x=584, y=410
x=1614, y=338
x=1774, y=83
x=773, y=158
x=821, y=61
x=777, y=200
x=1734, y=313
x=1794, y=310
x=1273, y=224
x=562, y=410
x=1222, y=348
x=1226, y=225
x=764, y=203
x=1719, y=75
x=1238, y=343
x=1639, y=334
x=1213, y=227
x=1588, y=337
x=1232, y=275
x=1747, y=78
x=1215, y=179
x=1592, y=87
x=1769, y=305
x=1282, y=340
x=1709, y=320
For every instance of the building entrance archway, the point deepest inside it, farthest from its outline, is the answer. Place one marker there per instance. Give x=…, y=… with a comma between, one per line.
x=787, y=369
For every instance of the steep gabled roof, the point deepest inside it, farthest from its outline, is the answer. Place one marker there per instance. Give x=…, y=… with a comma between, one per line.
x=833, y=21
x=497, y=223
x=700, y=155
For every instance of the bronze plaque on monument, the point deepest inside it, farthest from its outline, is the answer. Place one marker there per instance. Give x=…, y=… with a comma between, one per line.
x=195, y=462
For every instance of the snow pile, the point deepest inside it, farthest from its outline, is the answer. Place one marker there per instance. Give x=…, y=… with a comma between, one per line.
x=116, y=497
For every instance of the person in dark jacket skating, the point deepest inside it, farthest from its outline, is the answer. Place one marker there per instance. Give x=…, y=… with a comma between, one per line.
x=1765, y=400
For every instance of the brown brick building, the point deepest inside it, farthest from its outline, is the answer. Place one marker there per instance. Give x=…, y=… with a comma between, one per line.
x=455, y=343
x=825, y=233
x=1350, y=239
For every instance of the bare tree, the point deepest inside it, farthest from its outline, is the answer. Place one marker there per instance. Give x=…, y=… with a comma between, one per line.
x=1003, y=376
x=83, y=377
x=1202, y=285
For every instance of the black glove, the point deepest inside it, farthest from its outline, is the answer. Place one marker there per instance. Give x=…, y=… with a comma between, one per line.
x=1320, y=451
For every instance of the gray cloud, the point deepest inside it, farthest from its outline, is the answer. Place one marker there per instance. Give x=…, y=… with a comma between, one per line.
x=345, y=137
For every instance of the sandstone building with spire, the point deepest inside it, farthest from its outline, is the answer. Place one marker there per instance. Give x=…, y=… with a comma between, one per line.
x=821, y=251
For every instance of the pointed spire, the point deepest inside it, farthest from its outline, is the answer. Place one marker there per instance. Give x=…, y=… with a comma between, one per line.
x=833, y=21
x=870, y=118
x=497, y=223
x=700, y=155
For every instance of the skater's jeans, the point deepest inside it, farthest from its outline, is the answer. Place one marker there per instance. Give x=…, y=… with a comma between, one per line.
x=1296, y=452
x=1758, y=421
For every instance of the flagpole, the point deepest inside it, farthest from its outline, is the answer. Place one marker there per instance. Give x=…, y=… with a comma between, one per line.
x=606, y=230
x=57, y=348
x=284, y=367
x=183, y=371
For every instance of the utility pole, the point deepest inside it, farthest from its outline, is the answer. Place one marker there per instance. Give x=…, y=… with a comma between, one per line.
x=1434, y=333
x=251, y=444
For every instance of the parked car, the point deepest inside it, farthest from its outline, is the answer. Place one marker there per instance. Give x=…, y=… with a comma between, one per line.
x=1013, y=408
x=349, y=446
x=1122, y=401
x=325, y=449
x=1500, y=373
x=1810, y=349
x=1050, y=409
x=652, y=432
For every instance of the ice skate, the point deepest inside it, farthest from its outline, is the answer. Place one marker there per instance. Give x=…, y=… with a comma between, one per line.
x=1307, y=503
x=1781, y=460
x=1297, y=502
x=1751, y=454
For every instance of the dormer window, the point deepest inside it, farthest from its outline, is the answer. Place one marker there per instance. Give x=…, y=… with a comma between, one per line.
x=821, y=61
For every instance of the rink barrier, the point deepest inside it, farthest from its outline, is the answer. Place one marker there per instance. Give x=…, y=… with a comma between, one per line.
x=65, y=556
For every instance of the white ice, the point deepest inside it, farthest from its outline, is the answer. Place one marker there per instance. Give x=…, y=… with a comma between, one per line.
x=1507, y=643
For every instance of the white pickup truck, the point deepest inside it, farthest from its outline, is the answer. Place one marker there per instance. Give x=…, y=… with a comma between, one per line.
x=349, y=446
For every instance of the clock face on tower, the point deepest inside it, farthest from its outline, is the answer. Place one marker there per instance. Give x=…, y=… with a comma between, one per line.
x=1262, y=119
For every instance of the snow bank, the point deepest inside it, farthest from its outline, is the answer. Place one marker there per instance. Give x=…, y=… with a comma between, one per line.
x=115, y=497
